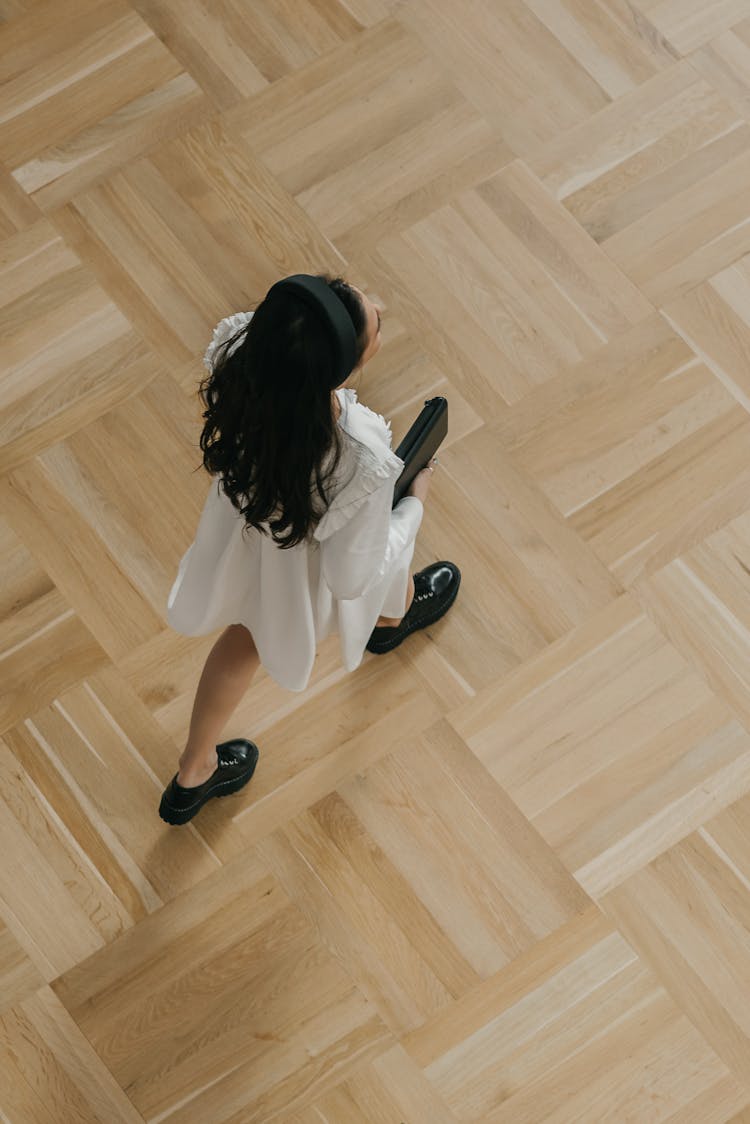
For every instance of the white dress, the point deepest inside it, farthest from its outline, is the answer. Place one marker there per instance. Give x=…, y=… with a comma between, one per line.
x=356, y=569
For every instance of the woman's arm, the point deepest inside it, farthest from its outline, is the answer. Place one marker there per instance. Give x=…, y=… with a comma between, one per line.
x=359, y=555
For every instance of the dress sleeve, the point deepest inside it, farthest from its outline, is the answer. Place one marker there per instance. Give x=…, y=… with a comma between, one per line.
x=360, y=554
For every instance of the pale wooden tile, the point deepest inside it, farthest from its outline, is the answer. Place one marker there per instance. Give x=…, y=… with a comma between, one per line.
x=686, y=914
x=609, y=797
x=84, y=101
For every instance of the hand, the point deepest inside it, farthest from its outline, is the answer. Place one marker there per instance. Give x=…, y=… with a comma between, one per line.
x=420, y=485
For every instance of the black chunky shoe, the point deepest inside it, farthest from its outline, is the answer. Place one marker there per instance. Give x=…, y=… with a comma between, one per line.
x=237, y=761
x=435, y=590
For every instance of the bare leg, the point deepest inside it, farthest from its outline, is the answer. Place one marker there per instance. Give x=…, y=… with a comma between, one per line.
x=227, y=673
x=389, y=622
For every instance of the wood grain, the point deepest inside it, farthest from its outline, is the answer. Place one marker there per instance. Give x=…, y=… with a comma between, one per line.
x=501, y=875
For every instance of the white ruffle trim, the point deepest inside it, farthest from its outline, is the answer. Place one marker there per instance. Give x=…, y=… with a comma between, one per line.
x=351, y=394
x=223, y=331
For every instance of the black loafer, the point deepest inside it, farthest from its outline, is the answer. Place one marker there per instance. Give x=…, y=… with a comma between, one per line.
x=237, y=761
x=435, y=590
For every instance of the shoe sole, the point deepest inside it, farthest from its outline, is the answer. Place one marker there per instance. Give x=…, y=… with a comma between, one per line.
x=172, y=815
x=381, y=647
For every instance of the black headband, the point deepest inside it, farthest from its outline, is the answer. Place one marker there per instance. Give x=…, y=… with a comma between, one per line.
x=318, y=296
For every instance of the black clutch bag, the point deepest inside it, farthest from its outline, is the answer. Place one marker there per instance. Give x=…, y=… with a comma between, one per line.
x=421, y=443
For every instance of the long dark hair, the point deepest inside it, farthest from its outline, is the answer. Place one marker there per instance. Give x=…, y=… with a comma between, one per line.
x=269, y=422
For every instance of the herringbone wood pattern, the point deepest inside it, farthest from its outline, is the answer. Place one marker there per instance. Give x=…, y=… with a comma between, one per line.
x=501, y=875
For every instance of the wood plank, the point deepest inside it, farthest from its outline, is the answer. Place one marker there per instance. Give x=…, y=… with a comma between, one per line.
x=502, y=873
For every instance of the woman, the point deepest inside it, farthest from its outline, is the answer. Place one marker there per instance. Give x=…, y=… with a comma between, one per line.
x=278, y=569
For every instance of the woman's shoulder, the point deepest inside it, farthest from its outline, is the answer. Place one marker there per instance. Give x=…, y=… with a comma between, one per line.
x=368, y=435
x=363, y=469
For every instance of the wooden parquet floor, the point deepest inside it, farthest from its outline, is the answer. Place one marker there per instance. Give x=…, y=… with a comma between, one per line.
x=501, y=875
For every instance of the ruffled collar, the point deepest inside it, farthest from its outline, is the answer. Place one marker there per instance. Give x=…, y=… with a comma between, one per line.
x=349, y=397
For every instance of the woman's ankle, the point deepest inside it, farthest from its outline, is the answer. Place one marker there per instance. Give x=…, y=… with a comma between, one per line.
x=391, y=622
x=191, y=773
x=193, y=776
